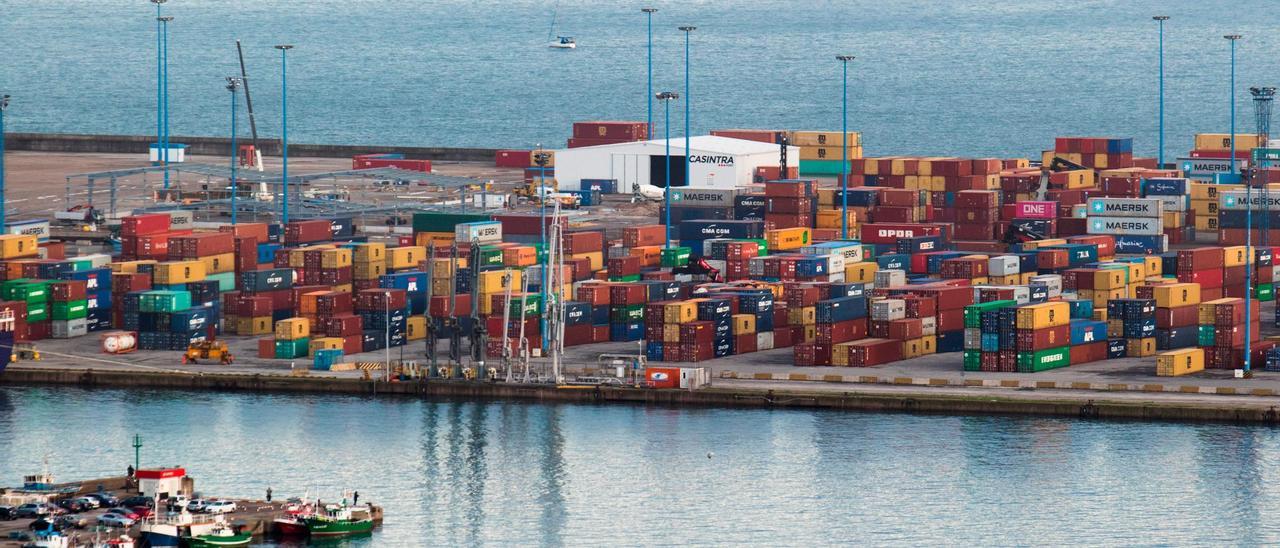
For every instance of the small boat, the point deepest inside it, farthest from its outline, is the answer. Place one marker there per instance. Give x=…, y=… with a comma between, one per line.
x=337, y=520
x=165, y=532
x=122, y=541
x=48, y=538
x=217, y=534
x=563, y=42
x=292, y=525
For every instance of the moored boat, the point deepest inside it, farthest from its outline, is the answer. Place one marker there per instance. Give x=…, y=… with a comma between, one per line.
x=217, y=534
x=338, y=520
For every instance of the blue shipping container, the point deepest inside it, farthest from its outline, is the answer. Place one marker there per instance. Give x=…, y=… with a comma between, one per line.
x=1088, y=331
x=842, y=309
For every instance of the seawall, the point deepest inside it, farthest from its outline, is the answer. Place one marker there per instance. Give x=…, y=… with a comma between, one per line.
x=220, y=146
x=921, y=400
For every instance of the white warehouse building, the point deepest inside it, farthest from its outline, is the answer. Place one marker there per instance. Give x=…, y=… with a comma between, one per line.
x=715, y=162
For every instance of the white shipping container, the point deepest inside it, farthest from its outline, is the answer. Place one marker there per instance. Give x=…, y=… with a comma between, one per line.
x=972, y=338
x=835, y=263
x=890, y=278
x=836, y=276
x=694, y=377
x=1004, y=265
x=764, y=341
x=1173, y=203
x=707, y=245
x=478, y=232
x=755, y=266
x=703, y=197
x=1126, y=207
x=39, y=228
x=1239, y=200
x=852, y=252
x=67, y=329
x=1275, y=275
x=1142, y=226
x=929, y=325
x=888, y=310
x=1052, y=281
x=1079, y=211
x=180, y=219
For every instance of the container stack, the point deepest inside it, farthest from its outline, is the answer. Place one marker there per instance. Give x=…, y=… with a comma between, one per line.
x=1177, y=313
x=1218, y=145
x=264, y=298
x=1221, y=333
x=586, y=134
x=384, y=315
x=822, y=152
x=292, y=339
x=1133, y=320
x=69, y=308
x=983, y=328
x=1094, y=152
x=976, y=215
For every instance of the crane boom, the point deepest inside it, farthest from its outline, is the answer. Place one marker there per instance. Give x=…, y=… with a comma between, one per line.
x=253, y=124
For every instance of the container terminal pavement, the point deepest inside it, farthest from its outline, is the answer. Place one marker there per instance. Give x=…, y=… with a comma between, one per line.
x=1118, y=268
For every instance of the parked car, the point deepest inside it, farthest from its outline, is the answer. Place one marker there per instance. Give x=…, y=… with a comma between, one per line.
x=124, y=512
x=197, y=505
x=31, y=510
x=178, y=503
x=7, y=513
x=114, y=520
x=105, y=500
x=91, y=502
x=138, y=502
x=73, y=521
x=220, y=507
x=73, y=505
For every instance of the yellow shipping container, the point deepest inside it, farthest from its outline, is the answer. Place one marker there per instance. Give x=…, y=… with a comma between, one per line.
x=1206, y=311
x=829, y=153
x=1174, y=219
x=217, y=264
x=440, y=286
x=1152, y=266
x=442, y=268
x=810, y=333
x=427, y=239
x=343, y=288
x=1007, y=279
x=650, y=255
x=808, y=315
x=671, y=333
x=250, y=326
x=405, y=257
x=369, y=252
x=1115, y=329
x=323, y=343
x=596, y=258
x=911, y=349
x=335, y=258
x=1141, y=348
x=929, y=344
x=860, y=272
x=1043, y=243
x=782, y=239
x=744, y=324
x=1222, y=141
x=1109, y=278
x=126, y=267
x=1236, y=255
x=826, y=197
x=415, y=328
x=15, y=246
x=830, y=218
x=840, y=354
x=293, y=329
x=680, y=312
x=1101, y=296
x=1177, y=294
x=368, y=271
x=1040, y=316
x=178, y=272
x=1206, y=224
x=806, y=138
x=1179, y=362
x=491, y=281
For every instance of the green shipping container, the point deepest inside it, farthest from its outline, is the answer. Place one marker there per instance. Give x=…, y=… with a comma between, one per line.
x=1204, y=335
x=1266, y=292
x=490, y=256
x=226, y=281
x=972, y=360
x=532, y=305
x=80, y=265
x=25, y=289
x=631, y=278
x=72, y=310
x=1051, y=358
x=821, y=167
x=435, y=221
x=973, y=312
x=164, y=301
x=37, y=312
x=764, y=247
x=676, y=257
x=289, y=350
x=626, y=314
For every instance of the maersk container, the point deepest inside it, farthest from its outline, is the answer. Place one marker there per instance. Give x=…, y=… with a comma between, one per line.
x=850, y=250
x=435, y=221
x=1126, y=207
x=266, y=280
x=703, y=197
x=842, y=309
x=478, y=232
x=1130, y=244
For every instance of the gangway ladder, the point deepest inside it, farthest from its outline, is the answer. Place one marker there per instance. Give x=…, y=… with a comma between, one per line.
x=454, y=327
x=522, y=345
x=479, y=332
x=506, y=327
x=432, y=336
x=555, y=279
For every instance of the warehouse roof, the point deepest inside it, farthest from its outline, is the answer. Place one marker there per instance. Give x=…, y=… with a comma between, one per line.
x=706, y=143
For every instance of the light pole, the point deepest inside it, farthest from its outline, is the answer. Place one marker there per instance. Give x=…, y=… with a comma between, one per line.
x=1232, y=38
x=649, y=14
x=4, y=105
x=1160, y=153
x=666, y=98
x=159, y=95
x=540, y=158
x=687, y=31
x=233, y=84
x=164, y=150
x=844, y=147
x=284, y=128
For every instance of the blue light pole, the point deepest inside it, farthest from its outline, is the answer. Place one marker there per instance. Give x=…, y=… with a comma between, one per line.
x=844, y=148
x=164, y=79
x=159, y=96
x=649, y=14
x=1160, y=153
x=687, y=30
x=4, y=105
x=666, y=98
x=233, y=84
x=284, y=128
x=1232, y=38
x=540, y=158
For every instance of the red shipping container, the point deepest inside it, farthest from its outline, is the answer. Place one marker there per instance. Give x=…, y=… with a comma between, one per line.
x=890, y=233
x=891, y=214
x=645, y=235
x=596, y=294
x=624, y=266
x=380, y=299
x=900, y=197
x=1040, y=339
x=528, y=225
x=871, y=352
x=838, y=332
x=701, y=332
x=662, y=377
x=965, y=231
x=1200, y=258
x=300, y=232
x=624, y=130
x=743, y=344
x=584, y=242
x=696, y=352
x=513, y=158
x=141, y=225
x=977, y=199
x=440, y=306
x=205, y=244
x=1085, y=353
x=625, y=294
x=759, y=135
x=791, y=188
x=1210, y=278
x=788, y=205
x=247, y=230
x=53, y=250
x=253, y=306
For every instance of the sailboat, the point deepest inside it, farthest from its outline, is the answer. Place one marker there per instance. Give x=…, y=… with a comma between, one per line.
x=559, y=42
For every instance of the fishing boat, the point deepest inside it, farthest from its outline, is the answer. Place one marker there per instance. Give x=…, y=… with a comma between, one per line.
x=48, y=538
x=292, y=525
x=166, y=531
x=337, y=520
x=217, y=534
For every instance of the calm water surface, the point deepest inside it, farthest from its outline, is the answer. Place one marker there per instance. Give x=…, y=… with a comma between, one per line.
x=974, y=77
x=505, y=473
